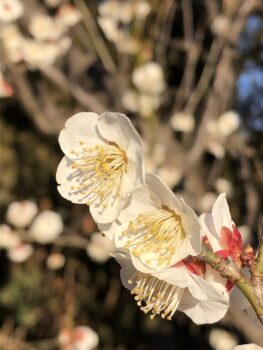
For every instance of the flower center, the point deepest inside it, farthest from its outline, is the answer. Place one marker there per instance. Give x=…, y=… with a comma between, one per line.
x=155, y=296
x=156, y=231
x=99, y=170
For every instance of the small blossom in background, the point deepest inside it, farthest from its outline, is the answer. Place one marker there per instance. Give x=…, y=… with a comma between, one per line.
x=183, y=122
x=163, y=293
x=79, y=338
x=10, y=10
x=207, y=201
x=222, y=185
x=158, y=228
x=99, y=248
x=12, y=41
x=149, y=78
x=21, y=214
x=46, y=227
x=246, y=234
x=8, y=239
x=55, y=261
x=221, y=25
x=44, y=27
x=52, y=3
x=20, y=252
x=68, y=16
x=220, y=339
x=103, y=162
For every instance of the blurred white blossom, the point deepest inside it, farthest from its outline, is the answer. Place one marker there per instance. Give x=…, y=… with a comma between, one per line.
x=248, y=347
x=20, y=214
x=10, y=10
x=79, y=338
x=99, y=248
x=221, y=25
x=149, y=78
x=170, y=175
x=183, y=122
x=8, y=239
x=228, y=123
x=246, y=234
x=46, y=227
x=38, y=54
x=68, y=15
x=44, y=27
x=6, y=90
x=55, y=261
x=220, y=339
x=207, y=201
x=223, y=185
x=20, y=252
x=52, y=3
x=12, y=42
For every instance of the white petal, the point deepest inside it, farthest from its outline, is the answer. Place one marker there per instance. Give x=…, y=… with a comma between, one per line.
x=116, y=127
x=106, y=215
x=248, y=347
x=221, y=213
x=82, y=127
x=159, y=187
x=208, y=229
x=205, y=311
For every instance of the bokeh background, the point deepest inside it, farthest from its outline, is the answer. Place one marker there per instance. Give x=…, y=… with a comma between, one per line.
x=189, y=74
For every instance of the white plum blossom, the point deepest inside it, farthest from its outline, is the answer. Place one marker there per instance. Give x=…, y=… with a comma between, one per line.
x=170, y=175
x=186, y=287
x=223, y=185
x=44, y=27
x=37, y=54
x=55, y=261
x=103, y=162
x=207, y=201
x=221, y=25
x=46, y=227
x=20, y=214
x=12, y=42
x=68, y=15
x=99, y=248
x=158, y=228
x=149, y=78
x=228, y=123
x=183, y=122
x=248, y=347
x=52, y=3
x=144, y=104
x=10, y=10
x=79, y=338
x=8, y=239
x=220, y=339
x=20, y=252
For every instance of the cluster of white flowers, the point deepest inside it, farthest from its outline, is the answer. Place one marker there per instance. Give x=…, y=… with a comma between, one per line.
x=156, y=234
x=149, y=81
x=49, y=34
x=43, y=228
x=115, y=18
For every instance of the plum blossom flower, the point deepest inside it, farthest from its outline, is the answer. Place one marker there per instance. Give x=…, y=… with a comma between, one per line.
x=223, y=185
x=221, y=232
x=248, y=347
x=103, y=162
x=68, y=15
x=149, y=78
x=37, y=54
x=99, y=248
x=10, y=10
x=55, y=261
x=20, y=214
x=220, y=339
x=183, y=122
x=46, y=227
x=20, y=252
x=44, y=27
x=157, y=227
x=186, y=287
x=8, y=239
x=80, y=338
x=12, y=42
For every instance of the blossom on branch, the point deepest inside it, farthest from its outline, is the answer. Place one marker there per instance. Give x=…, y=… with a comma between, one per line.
x=187, y=287
x=103, y=163
x=157, y=227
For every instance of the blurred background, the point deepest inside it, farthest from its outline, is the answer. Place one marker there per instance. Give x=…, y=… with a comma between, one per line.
x=189, y=74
